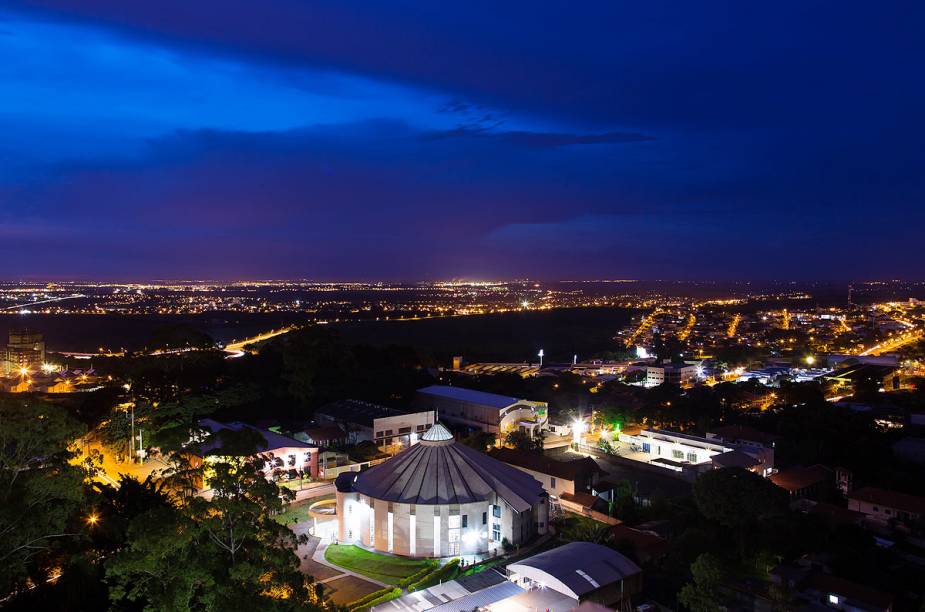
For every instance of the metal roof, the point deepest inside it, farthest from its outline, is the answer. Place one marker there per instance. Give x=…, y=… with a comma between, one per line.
x=582, y=567
x=442, y=471
x=437, y=433
x=482, y=598
x=470, y=395
x=272, y=440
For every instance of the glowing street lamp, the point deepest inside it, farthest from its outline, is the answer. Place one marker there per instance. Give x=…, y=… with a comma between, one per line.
x=810, y=360
x=578, y=428
x=540, y=355
x=93, y=519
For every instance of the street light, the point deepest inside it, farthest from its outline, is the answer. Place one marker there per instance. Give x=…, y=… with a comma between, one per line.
x=578, y=428
x=540, y=355
x=810, y=360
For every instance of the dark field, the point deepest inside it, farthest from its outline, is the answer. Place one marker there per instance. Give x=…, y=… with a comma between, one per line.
x=513, y=336
x=87, y=333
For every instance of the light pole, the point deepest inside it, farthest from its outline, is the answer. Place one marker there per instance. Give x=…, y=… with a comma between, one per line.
x=540, y=355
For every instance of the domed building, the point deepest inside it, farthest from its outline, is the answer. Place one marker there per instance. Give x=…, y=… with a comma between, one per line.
x=439, y=499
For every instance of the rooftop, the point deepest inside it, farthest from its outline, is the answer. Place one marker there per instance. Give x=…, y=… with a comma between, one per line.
x=582, y=567
x=537, y=462
x=731, y=433
x=796, y=478
x=357, y=411
x=438, y=470
x=735, y=459
x=272, y=440
x=470, y=395
x=890, y=499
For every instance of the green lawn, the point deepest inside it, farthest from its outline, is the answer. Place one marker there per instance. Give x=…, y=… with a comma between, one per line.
x=379, y=567
x=295, y=513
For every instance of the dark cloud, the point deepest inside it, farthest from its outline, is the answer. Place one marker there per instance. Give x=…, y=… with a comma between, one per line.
x=714, y=139
x=543, y=139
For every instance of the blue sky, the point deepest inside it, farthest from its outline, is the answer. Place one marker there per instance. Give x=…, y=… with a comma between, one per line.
x=403, y=140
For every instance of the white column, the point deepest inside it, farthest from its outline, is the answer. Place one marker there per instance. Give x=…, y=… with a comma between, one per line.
x=436, y=536
x=390, y=540
x=412, y=542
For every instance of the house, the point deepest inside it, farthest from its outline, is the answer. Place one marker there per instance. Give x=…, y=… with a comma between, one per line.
x=490, y=412
x=805, y=482
x=645, y=545
x=814, y=589
x=323, y=437
x=884, y=505
x=842, y=594
x=557, y=477
x=284, y=458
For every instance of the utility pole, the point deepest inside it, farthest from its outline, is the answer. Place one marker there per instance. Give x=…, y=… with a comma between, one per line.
x=132, y=445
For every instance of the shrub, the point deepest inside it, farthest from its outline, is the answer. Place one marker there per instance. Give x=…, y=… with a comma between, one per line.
x=418, y=575
x=375, y=598
x=441, y=573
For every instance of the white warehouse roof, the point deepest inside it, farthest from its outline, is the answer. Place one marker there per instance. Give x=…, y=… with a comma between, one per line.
x=577, y=568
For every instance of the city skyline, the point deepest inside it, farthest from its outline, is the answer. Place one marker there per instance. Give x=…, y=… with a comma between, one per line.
x=717, y=142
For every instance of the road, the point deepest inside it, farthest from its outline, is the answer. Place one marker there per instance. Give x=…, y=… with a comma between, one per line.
x=892, y=344
x=48, y=301
x=236, y=349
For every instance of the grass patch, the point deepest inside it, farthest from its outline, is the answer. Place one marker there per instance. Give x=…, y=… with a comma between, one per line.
x=295, y=513
x=378, y=567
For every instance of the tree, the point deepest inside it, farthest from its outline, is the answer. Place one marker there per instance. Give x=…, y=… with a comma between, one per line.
x=521, y=440
x=221, y=553
x=581, y=529
x=40, y=491
x=162, y=567
x=702, y=594
x=479, y=440
x=737, y=498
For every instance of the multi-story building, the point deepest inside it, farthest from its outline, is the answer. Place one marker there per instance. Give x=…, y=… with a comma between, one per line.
x=691, y=455
x=673, y=374
x=25, y=352
x=490, y=412
x=380, y=424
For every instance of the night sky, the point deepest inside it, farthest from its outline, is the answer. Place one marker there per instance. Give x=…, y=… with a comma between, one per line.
x=394, y=140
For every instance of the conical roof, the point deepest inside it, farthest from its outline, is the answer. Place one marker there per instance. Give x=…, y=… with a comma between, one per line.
x=438, y=470
x=437, y=433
